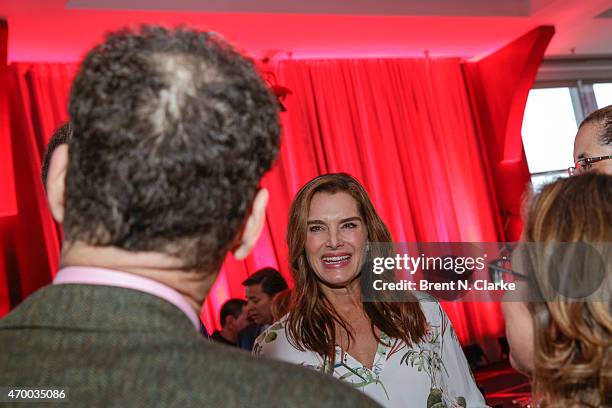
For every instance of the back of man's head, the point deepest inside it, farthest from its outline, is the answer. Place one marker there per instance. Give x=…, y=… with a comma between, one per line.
x=173, y=130
x=271, y=281
x=232, y=307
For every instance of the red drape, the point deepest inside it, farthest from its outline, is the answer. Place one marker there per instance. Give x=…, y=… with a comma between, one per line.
x=499, y=85
x=38, y=95
x=8, y=204
x=404, y=127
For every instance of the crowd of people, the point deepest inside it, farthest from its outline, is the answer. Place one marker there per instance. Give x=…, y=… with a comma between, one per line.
x=155, y=179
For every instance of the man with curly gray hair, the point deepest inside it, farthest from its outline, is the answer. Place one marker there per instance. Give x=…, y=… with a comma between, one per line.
x=172, y=132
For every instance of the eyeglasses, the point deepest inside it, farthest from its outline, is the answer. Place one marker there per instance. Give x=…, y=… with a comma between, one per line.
x=583, y=165
x=500, y=271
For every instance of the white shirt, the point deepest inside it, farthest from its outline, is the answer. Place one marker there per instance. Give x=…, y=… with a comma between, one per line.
x=431, y=374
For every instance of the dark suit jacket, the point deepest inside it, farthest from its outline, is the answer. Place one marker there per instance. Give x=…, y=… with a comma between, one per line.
x=248, y=335
x=118, y=347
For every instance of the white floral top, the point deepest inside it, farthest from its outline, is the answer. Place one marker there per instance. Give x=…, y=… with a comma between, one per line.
x=432, y=374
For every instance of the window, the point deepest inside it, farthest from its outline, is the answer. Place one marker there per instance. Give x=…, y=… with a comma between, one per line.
x=567, y=89
x=549, y=128
x=603, y=94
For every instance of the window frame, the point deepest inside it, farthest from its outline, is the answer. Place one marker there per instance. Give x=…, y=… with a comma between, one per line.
x=578, y=74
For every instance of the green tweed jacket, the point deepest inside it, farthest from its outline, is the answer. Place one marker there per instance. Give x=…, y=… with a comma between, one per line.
x=118, y=347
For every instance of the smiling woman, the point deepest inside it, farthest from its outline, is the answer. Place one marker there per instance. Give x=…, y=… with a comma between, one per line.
x=335, y=239
x=398, y=353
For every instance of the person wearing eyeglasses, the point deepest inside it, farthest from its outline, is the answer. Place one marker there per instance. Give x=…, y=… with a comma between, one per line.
x=593, y=143
x=560, y=331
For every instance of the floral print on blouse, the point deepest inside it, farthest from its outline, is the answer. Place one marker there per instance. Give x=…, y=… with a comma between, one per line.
x=431, y=374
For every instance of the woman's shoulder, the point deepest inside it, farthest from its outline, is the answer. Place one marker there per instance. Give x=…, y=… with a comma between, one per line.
x=431, y=307
x=273, y=338
x=274, y=343
x=275, y=333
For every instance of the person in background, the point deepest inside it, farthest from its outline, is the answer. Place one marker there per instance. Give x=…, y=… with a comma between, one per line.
x=234, y=318
x=173, y=131
x=400, y=353
x=563, y=338
x=261, y=287
x=593, y=143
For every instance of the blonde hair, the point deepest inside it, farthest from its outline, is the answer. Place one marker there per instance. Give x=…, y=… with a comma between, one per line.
x=573, y=339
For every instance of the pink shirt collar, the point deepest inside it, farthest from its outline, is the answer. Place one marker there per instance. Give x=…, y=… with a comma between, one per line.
x=107, y=277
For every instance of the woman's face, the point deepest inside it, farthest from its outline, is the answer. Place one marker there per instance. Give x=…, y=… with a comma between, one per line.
x=335, y=238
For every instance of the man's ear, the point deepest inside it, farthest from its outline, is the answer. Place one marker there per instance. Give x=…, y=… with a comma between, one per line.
x=56, y=181
x=229, y=321
x=253, y=226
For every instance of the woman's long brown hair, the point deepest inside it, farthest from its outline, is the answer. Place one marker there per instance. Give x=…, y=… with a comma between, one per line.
x=573, y=339
x=312, y=320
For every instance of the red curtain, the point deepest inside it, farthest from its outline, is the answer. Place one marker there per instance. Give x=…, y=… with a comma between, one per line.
x=37, y=94
x=8, y=203
x=499, y=85
x=404, y=127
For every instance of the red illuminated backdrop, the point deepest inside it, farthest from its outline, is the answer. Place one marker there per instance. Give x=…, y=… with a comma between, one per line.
x=428, y=137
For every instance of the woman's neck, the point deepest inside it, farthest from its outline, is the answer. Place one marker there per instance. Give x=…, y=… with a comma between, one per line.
x=346, y=301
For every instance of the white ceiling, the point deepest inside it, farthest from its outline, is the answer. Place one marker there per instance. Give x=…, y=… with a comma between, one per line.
x=352, y=7
x=60, y=30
